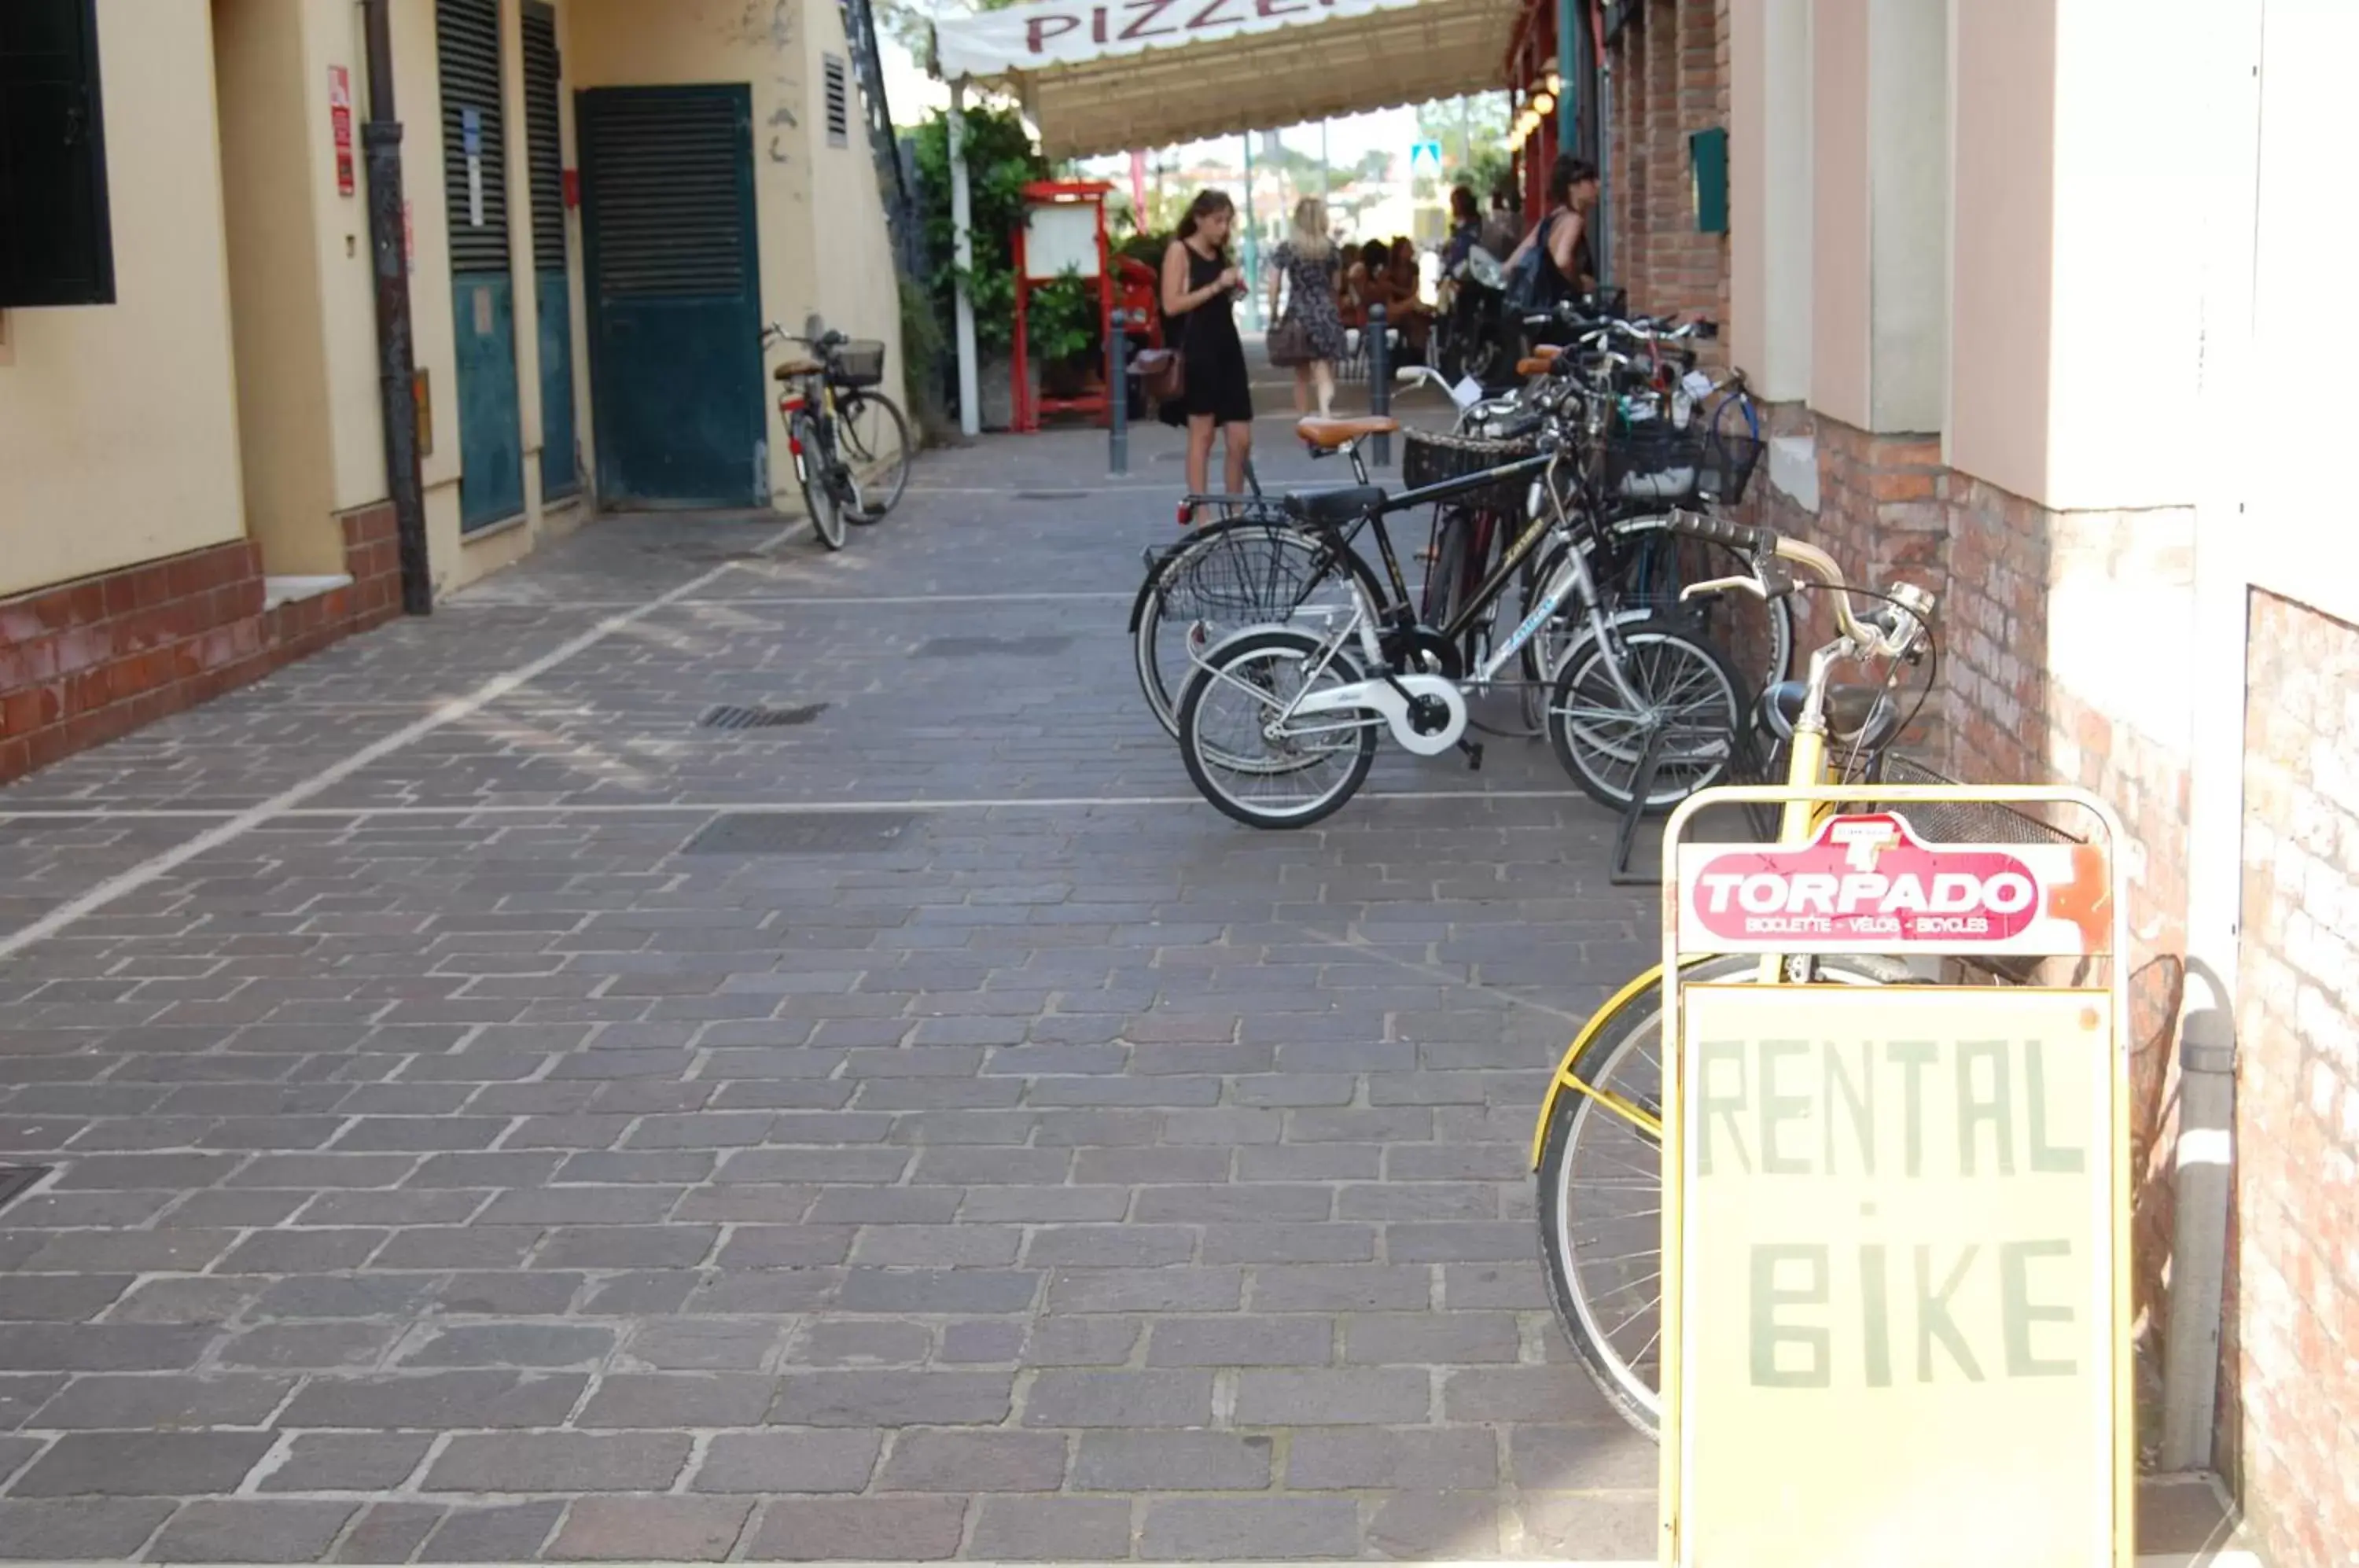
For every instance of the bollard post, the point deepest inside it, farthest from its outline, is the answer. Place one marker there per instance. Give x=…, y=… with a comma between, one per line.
x=1117, y=395
x=1380, y=380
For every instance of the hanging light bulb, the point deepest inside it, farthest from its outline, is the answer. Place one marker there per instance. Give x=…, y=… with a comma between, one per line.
x=1554, y=82
x=1542, y=103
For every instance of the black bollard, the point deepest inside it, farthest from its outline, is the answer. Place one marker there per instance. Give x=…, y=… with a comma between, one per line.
x=1380, y=381
x=1118, y=395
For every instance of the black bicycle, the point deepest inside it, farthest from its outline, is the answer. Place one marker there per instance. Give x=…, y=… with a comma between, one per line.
x=850, y=442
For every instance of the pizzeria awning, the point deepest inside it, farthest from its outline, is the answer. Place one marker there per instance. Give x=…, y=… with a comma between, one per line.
x=1110, y=75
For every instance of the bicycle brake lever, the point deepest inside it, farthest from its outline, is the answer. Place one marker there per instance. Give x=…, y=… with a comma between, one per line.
x=1724, y=584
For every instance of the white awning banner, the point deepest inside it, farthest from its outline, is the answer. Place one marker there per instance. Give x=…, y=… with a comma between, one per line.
x=1024, y=38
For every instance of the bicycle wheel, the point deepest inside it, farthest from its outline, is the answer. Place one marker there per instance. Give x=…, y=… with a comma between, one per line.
x=873, y=437
x=1292, y=779
x=1689, y=707
x=1601, y=1183
x=1226, y=576
x=1757, y=635
x=811, y=474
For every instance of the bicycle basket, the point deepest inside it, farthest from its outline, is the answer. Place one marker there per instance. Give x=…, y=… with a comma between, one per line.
x=1430, y=457
x=1239, y=577
x=860, y=363
x=1961, y=822
x=1652, y=461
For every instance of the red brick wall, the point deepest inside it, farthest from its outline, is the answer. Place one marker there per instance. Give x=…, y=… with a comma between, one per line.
x=1671, y=79
x=91, y=661
x=2290, y=1387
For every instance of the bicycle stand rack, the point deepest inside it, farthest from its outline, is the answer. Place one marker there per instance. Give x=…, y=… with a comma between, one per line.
x=1744, y=765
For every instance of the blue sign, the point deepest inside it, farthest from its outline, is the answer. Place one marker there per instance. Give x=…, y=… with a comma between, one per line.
x=470, y=127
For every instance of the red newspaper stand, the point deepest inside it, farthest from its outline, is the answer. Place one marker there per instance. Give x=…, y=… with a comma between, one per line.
x=1064, y=229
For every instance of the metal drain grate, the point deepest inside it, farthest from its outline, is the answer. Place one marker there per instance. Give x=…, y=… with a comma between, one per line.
x=802, y=832
x=734, y=717
x=992, y=647
x=16, y=1179
x=1052, y=495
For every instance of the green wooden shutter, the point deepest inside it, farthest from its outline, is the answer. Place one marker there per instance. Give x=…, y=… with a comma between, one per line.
x=56, y=240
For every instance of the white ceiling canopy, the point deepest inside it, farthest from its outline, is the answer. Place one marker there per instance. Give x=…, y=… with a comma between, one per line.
x=1110, y=75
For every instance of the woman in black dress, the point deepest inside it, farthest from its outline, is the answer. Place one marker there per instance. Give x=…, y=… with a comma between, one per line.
x=1199, y=285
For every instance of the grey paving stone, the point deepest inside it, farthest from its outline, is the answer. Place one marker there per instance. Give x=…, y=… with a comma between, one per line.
x=558, y=1462
x=1326, y=1241
x=434, y=1401
x=173, y=1251
x=616, y=1206
x=1257, y=1201
x=1090, y=1399
x=1517, y=1286
x=790, y=1247
x=1206, y=1290
x=967, y=1462
x=1459, y=1242
x=1279, y=1288
x=889, y=1399
x=387, y=1533
x=242, y=1529
x=20, y=1396
x=1043, y=1205
x=142, y=1464
x=1436, y=1526
x=981, y=1341
x=1253, y=1529
x=809, y=1461
x=1172, y=1462
x=347, y=1462
x=1547, y=1394
x=1599, y=1526
x=164, y=1401
x=513, y=1533
x=459, y=1246
x=669, y=1401
x=1583, y=1458
x=509, y=1293
x=77, y=1528
x=100, y=1347
x=514, y=1345
x=1081, y=1341
x=186, y=1300
x=328, y=1296
x=1241, y=1341
x=878, y=1530
x=1348, y=1397
x=700, y=1344
x=650, y=1530
x=1050, y=1529
x=859, y=1341
x=627, y=1246
x=1405, y=1339
x=938, y=1290
x=1374, y=1458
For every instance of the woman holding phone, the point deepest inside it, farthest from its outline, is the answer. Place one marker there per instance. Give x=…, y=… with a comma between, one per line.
x=1199, y=288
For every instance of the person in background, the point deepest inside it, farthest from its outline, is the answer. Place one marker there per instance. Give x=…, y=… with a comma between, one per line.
x=1564, y=232
x=1306, y=262
x=1465, y=226
x=1408, y=306
x=1199, y=290
x=1504, y=225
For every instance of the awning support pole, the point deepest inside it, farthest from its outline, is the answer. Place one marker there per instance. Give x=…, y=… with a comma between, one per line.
x=962, y=254
x=1252, y=247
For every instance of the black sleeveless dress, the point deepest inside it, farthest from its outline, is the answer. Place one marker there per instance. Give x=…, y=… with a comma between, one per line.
x=1207, y=335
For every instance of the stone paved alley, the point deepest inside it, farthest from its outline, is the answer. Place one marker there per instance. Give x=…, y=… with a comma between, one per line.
x=469, y=1141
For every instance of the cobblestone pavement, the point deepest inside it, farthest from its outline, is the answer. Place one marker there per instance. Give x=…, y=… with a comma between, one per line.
x=469, y=1144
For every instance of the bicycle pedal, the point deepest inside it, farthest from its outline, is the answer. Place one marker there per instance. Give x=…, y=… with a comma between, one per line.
x=1473, y=751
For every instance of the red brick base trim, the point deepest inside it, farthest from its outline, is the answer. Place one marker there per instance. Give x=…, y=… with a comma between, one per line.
x=95, y=659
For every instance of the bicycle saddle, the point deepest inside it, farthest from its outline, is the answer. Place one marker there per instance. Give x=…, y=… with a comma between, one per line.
x=1333, y=506
x=1856, y=715
x=794, y=368
x=1333, y=433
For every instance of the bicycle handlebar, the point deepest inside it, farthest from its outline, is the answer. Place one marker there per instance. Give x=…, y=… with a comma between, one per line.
x=1890, y=634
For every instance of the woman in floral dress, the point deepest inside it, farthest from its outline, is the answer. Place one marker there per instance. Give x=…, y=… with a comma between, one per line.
x=1306, y=264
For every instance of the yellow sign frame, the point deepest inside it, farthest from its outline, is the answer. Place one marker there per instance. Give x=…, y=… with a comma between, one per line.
x=1822, y=800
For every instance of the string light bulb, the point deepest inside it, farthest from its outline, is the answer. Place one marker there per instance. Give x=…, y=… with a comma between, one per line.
x=1542, y=103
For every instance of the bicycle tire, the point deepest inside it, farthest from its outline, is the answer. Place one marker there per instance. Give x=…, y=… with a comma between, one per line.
x=886, y=480
x=1653, y=651
x=1216, y=674
x=1778, y=614
x=810, y=475
x=1163, y=687
x=1629, y=1022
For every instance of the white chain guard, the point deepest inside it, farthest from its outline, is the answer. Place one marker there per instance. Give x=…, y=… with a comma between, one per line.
x=1378, y=696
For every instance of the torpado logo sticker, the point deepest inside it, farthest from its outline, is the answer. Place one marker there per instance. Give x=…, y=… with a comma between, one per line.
x=1869, y=881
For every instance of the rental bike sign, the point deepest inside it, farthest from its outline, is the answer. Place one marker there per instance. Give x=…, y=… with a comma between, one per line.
x=1896, y=1240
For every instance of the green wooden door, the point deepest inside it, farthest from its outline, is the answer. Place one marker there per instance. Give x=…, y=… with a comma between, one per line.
x=476, y=192
x=560, y=473
x=675, y=295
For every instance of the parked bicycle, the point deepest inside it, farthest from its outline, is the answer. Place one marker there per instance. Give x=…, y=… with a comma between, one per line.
x=1598, y=1147
x=850, y=442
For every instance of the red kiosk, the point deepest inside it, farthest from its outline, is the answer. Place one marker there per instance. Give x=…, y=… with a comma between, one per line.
x=1064, y=228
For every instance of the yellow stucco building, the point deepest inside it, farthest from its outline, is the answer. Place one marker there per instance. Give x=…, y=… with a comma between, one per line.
x=604, y=200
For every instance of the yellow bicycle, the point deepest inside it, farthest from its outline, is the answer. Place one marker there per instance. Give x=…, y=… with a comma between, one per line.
x=1598, y=1147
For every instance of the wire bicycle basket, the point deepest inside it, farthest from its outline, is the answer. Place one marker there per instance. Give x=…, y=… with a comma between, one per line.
x=857, y=364
x=1432, y=457
x=1244, y=576
x=1655, y=461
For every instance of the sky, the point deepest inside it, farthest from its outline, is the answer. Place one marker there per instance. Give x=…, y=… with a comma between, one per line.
x=912, y=95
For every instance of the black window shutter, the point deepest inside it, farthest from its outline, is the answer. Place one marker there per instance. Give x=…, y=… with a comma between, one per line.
x=56, y=243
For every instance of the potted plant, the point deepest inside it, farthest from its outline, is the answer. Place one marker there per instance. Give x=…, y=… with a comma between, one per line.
x=1063, y=332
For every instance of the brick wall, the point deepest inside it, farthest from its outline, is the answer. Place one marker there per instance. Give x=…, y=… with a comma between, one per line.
x=2290, y=1387
x=1670, y=78
x=88, y=661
